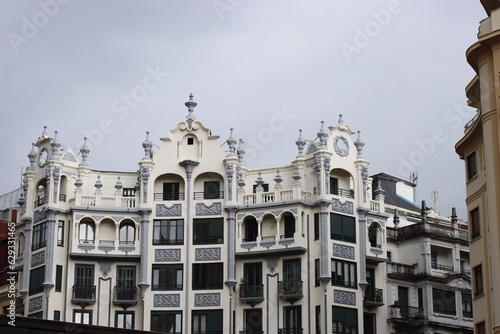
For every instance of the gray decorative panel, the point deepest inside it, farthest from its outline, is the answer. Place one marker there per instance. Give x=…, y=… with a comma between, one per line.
x=167, y=300
x=207, y=210
x=167, y=255
x=117, y=218
x=207, y=254
x=342, y=251
x=97, y=218
x=35, y=304
x=344, y=297
x=165, y=211
x=40, y=215
x=241, y=215
x=346, y=207
x=37, y=259
x=207, y=299
x=78, y=217
x=276, y=212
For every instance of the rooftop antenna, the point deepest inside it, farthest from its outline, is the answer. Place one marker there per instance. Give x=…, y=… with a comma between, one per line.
x=435, y=197
x=414, y=177
x=21, y=183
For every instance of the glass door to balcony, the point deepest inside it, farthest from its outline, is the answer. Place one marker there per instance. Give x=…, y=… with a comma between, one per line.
x=291, y=276
x=125, y=285
x=293, y=320
x=84, y=281
x=252, y=279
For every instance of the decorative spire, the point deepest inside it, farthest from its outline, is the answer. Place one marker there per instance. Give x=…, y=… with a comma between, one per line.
x=454, y=220
x=241, y=150
x=359, y=145
x=20, y=202
x=423, y=212
x=395, y=220
x=296, y=176
x=231, y=142
x=85, y=152
x=118, y=185
x=301, y=143
x=341, y=120
x=98, y=184
x=78, y=182
x=259, y=182
x=322, y=135
x=32, y=157
x=55, y=148
x=44, y=132
x=278, y=179
x=379, y=192
x=147, y=145
x=190, y=105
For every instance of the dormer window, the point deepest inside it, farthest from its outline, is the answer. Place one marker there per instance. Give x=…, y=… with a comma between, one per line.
x=190, y=140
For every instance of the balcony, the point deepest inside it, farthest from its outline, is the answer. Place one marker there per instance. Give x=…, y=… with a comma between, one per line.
x=200, y=195
x=169, y=197
x=62, y=197
x=432, y=230
x=404, y=314
x=117, y=201
x=125, y=296
x=275, y=196
x=442, y=267
x=465, y=272
x=41, y=201
x=402, y=271
x=83, y=295
x=291, y=291
x=290, y=330
x=373, y=298
x=251, y=294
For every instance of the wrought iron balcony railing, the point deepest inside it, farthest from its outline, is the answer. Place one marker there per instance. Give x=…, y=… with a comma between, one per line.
x=122, y=293
x=290, y=330
x=84, y=292
x=251, y=290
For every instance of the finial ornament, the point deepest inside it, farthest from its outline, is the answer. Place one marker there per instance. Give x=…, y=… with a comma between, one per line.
x=241, y=150
x=359, y=145
x=301, y=143
x=231, y=142
x=44, y=132
x=190, y=105
x=147, y=145
x=55, y=147
x=85, y=152
x=32, y=157
x=322, y=135
x=341, y=120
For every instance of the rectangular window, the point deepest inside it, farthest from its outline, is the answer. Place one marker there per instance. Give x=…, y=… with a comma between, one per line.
x=207, y=321
x=211, y=190
x=342, y=228
x=208, y=231
x=344, y=273
x=466, y=305
x=403, y=295
x=168, y=232
x=316, y=272
x=125, y=289
x=345, y=320
x=265, y=186
x=316, y=226
x=171, y=191
x=82, y=317
x=334, y=186
x=59, y=270
x=318, y=319
x=478, y=280
x=420, y=296
x=207, y=276
x=443, y=301
x=60, y=233
x=124, y=319
x=471, y=166
x=57, y=315
x=167, y=277
x=37, y=277
x=39, y=236
x=474, y=223
x=84, y=287
x=128, y=192
x=37, y=315
x=169, y=322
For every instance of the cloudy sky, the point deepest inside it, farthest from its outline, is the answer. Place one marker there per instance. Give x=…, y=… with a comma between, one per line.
x=112, y=70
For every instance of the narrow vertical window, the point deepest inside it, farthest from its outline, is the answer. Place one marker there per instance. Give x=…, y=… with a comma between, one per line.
x=60, y=233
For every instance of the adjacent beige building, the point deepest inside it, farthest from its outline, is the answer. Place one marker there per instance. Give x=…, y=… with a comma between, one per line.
x=480, y=150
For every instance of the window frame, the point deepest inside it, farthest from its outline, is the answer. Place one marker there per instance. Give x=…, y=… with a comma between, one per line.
x=471, y=161
x=475, y=223
x=124, y=321
x=350, y=267
x=60, y=233
x=478, y=281
x=39, y=236
x=207, y=276
x=168, y=224
x=444, y=301
x=37, y=277
x=159, y=282
x=210, y=234
x=345, y=224
x=81, y=313
x=88, y=227
x=467, y=307
x=177, y=316
x=339, y=315
x=214, y=320
x=128, y=240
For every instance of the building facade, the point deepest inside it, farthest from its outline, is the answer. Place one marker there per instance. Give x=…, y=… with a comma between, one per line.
x=196, y=242
x=480, y=150
x=428, y=265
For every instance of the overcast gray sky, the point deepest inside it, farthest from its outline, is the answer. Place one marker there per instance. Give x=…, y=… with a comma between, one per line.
x=112, y=70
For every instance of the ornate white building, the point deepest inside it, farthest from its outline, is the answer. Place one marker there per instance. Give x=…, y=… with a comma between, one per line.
x=196, y=242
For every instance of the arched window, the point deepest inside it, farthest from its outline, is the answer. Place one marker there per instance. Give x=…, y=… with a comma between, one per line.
x=250, y=229
x=87, y=232
x=373, y=237
x=127, y=234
